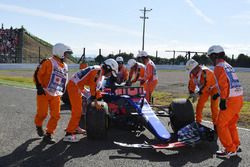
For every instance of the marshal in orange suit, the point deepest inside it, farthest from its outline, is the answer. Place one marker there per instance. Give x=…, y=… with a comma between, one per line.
x=50, y=78
x=202, y=82
x=231, y=102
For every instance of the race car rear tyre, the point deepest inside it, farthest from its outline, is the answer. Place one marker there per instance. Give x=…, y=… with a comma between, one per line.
x=181, y=113
x=96, y=121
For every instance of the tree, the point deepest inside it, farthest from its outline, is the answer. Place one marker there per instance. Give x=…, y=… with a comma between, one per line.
x=111, y=56
x=180, y=60
x=203, y=59
x=228, y=59
x=99, y=59
x=243, y=61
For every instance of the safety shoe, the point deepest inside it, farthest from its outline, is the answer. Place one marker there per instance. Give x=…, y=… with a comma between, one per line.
x=39, y=131
x=225, y=154
x=238, y=149
x=48, y=139
x=70, y=138
x=80, y=131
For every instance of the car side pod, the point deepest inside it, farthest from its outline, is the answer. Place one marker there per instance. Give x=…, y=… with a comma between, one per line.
x=153, y=122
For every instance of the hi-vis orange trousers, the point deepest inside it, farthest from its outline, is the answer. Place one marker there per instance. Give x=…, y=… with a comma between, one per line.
x=213, y=106
x=75, y=98
x=227, y=124
x=149, y=87
x=43, y=104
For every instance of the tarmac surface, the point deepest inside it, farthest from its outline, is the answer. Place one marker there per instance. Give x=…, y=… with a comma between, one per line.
x=20, y=145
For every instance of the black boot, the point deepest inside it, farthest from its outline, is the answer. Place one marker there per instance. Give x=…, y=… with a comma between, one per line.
x=39, y=131
x=48, y=139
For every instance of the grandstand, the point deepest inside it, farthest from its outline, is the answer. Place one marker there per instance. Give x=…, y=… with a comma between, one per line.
x=20, y=46
x=9, y=45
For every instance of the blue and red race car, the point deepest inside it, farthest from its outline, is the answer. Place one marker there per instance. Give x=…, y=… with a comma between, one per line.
x=126, y=107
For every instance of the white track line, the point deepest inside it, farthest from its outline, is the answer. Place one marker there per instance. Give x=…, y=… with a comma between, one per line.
x=19, y=87
x=237, y=127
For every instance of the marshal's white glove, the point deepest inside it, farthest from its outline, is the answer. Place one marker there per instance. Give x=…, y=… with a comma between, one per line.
x=194, y=97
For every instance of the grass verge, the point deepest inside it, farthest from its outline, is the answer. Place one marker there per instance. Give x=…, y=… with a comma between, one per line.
x=165, y=98
x=17, y=81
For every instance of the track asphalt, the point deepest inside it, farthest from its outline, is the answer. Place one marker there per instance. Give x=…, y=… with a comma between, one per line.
x=20, y=145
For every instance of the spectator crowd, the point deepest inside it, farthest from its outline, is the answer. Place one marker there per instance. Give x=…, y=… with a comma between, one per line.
x=8, y=44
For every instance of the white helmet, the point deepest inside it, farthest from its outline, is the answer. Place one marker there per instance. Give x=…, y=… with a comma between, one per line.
x=215, y=49
x=59, y=49
x=119, y=59
x=113, y=65
x=191, y=64
x=131, y=63
x=142, y=54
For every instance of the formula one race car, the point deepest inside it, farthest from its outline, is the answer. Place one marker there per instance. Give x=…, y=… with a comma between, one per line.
x=126, y=107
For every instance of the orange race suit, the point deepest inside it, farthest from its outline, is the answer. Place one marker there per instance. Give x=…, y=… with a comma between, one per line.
x=137, y=74
x=89, y=76
x=122, y=74
x=207, y=85
x=52, y=75
x=83, y=65
x=232, y=92
x=150, y=80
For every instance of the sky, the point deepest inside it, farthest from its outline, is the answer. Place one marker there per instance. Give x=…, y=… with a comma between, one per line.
x=115, y=25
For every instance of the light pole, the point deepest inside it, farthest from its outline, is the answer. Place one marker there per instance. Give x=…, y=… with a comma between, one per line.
x=144, y=17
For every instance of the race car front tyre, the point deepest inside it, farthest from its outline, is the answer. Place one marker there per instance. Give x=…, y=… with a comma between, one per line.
x=96, y=121
x=181, y=113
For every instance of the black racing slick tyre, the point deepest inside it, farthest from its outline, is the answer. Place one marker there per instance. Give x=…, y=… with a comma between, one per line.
x=96, y=121
x=181, y=113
